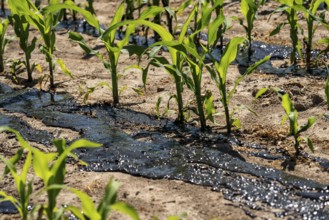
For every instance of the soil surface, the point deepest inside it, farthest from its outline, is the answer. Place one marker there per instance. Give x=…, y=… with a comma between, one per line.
x=165, y=197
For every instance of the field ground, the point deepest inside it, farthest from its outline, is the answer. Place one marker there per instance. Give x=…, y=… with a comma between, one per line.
x=172, y=197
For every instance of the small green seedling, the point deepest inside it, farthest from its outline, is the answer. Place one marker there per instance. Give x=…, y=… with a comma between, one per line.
x=3, y=42
x=113, y=47
x=51, y=169
x=22, y=30
x=249, y=9
x=45, y=21
x=290, y=8
x=23, y=185
x=291, y=114
x=310, y=16
x=295, y=130
x=219, y=72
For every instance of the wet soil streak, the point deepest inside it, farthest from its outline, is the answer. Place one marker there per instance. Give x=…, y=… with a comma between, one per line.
x=254, y=187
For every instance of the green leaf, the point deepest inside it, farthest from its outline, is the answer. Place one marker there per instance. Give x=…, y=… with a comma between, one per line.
x=88, y=206
x=41, y=164
x=236, y=123
x=287, y=104
x=277, y=29
x=209, y=106
x=186, y=25
x=157, y=107
x=63, y=67
x=228, y=57
x=284, y=119
x=248, y=71
x=213, y=27
x=261, y=92
x=126, y=209
x=75, y=211
x=77, y=144
x=108, y=199
x=310, y=144
x=151, y=12
x=134, y=49
x=90, y=18
x=310, y=122
x=324, y=41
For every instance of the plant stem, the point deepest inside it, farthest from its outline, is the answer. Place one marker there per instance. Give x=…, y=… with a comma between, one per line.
x=225, y=104
x=179, y=89
x=293, y=35
x=296, y=145
x=114, y=75
x=51, y=73
x=249, y=46
x=28, y=68
x=309, y=43
x=2, y=66
x=200, y=106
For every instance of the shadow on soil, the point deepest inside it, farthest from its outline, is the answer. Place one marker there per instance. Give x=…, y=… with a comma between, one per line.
x=160, y=149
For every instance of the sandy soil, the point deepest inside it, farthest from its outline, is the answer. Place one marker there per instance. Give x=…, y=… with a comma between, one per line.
x=162, y=198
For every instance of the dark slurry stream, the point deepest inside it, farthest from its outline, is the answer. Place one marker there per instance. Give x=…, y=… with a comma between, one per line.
x=154, y=154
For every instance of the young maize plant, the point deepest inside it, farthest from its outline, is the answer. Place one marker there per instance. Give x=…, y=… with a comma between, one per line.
x=175, y=67
x=218, y=27
x=290, y=8
x=112, y=46
x=51, y=169
x=45, y=22
x=249, y=9
x=3, y=42
x=219, y=75
x=295, y=130
x=22, y=30
x=291, y=114
x=310, y=15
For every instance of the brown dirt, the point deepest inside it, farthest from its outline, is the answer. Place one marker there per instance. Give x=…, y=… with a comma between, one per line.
x=167, y=197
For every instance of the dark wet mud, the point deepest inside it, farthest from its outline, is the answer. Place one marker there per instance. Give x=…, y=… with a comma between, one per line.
x=167, y=151
x=7, y=207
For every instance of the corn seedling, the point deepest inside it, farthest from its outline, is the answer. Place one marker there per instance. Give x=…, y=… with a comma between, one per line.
x=219, y=74
x=113, y=49
x=175, y=67
x=290, y=8
x=295, y=130
x=310, y=16
x=291, y=114
x=23, y=185
x=188, y=49
x=51, y=169
x=22, y=30
x=45, y=22
x=3, y=42
x=324, y=41
x=249, y=9
x=218, y=27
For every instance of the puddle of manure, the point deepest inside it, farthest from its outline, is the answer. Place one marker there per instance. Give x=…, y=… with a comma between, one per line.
x=163, y=157
x=5, y=13
x=8, y=208
x=26, y=130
